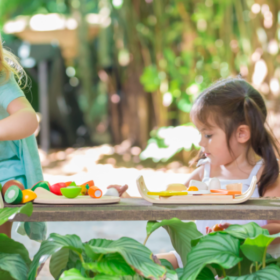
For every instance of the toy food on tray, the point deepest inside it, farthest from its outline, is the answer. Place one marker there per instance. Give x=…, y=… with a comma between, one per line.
x=199, y=188
x=13, y=191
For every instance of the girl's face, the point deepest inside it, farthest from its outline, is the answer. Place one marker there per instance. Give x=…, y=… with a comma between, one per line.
x=214, y=144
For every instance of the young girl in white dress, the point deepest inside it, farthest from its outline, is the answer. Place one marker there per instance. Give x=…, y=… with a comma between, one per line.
x=235, y=146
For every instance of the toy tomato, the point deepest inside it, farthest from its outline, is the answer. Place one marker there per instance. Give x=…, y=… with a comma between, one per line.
x=55, y=188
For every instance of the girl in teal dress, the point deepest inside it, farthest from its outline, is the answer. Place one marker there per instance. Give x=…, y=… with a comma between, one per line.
x=19, y=157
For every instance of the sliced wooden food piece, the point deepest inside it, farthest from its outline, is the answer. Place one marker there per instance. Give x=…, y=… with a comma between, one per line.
x=28, y=195
x=41, y=184
x=10, y=183
x=94, y=192
x=13, y=195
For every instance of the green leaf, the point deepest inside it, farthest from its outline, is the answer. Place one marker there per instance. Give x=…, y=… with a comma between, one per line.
x=8, y=212
x=249, y=230
x=180, y=233
x=271, y=272
x=244, y=264
x=106, y=277
x=134, y=253
x=180, y=272
x=54, y=243
x=150, y=78
x=15, y=265
x=9, y=246
x=73, y=274
x=171, y=275
x=255, y=248
x=167, y=264
x=111, y=264
x=205, y=274
x=96, y=243
x=59, y=262
x=36, y=230
x=219, y=248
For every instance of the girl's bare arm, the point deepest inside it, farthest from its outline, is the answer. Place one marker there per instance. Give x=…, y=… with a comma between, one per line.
x=21, y=123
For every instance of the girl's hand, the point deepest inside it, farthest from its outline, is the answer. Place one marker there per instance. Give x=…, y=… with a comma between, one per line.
x=119, y=188
x=217, y=227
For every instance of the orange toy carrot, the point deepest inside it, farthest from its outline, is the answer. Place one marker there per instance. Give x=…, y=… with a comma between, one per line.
x=68, y=183
x=94, y=192
x=90, y=183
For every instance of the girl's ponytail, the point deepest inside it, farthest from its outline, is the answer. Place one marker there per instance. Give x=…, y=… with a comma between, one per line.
x=261, y=141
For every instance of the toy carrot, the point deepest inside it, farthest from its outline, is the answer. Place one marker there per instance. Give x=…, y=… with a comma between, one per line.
x=94, y=192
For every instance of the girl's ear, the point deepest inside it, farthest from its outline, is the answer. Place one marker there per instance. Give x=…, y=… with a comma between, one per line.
x=243, y=133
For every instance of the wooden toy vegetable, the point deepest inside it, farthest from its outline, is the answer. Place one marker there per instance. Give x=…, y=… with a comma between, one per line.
x=84, y=190
x=90, y=183
x=13, y=195
x=55, y=188
x=10, y=183
x=28, y=195
x=42, y=184
x=94, y=192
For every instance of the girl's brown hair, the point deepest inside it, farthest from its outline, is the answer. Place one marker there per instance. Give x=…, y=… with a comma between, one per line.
x=232, y=102
x=9, y=64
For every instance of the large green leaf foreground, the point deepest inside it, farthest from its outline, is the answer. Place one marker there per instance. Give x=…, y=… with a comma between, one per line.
x=8, y=213
x=228, y=250
x=97, y=258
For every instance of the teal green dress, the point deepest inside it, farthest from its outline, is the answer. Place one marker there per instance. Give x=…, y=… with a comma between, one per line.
x=19, y=159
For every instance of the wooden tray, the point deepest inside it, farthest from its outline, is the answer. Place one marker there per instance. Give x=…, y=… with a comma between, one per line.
x=46, y=197
x=197, y=199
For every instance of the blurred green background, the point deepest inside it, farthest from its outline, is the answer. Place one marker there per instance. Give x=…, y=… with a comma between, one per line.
x=126, y=72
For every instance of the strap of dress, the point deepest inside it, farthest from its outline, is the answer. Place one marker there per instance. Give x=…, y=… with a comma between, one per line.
x=206, y=163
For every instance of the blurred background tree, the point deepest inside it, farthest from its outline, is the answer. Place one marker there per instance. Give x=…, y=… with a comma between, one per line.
x=150, y=59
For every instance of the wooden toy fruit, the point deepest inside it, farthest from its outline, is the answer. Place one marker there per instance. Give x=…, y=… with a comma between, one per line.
x=10, y=183
x=71, y=191
x=94, y=192
x=85, y=188
x=13, y=195
x=217, y=228
x=192, y=189
x=55, y=188
x=42, y=184
x=68, y=183
x=28, y=195
x=176, y=187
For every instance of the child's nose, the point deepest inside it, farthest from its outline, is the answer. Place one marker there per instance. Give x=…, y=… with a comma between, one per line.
x=200, y=142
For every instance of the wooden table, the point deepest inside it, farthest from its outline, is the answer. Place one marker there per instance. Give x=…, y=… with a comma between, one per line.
x=138, y=209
